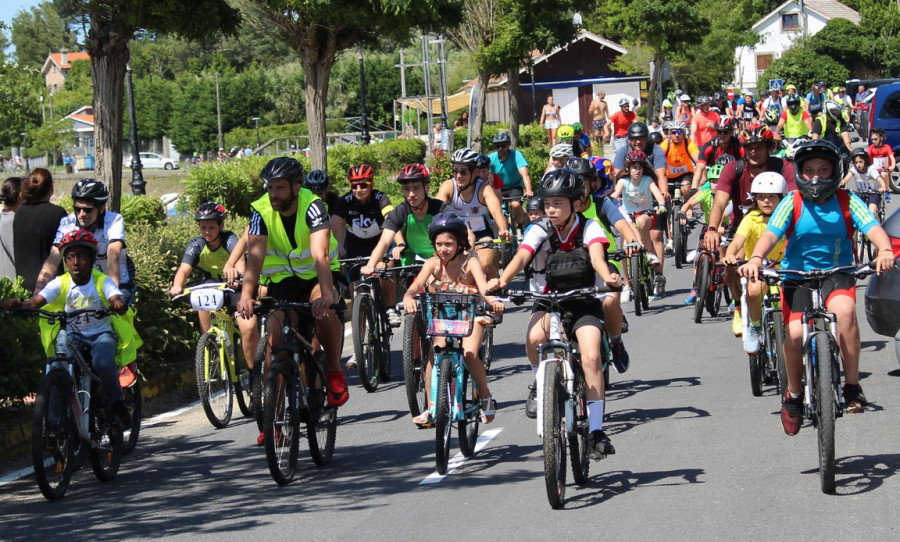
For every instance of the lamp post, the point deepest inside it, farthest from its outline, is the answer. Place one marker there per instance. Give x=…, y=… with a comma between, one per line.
x=219, y=112
x=362, y=100
x=43, y=115
x=25, y=156
x=137, y=177
x=256, y=120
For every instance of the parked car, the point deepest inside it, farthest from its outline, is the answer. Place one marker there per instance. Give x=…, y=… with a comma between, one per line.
x=883, y=292
x=151, y=160
x=884, y=113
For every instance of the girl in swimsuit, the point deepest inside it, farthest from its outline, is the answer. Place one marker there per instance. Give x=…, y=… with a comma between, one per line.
x=550, y=119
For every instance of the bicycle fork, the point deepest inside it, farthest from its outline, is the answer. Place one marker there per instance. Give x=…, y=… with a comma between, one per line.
x=550, y=353
x=812, y=369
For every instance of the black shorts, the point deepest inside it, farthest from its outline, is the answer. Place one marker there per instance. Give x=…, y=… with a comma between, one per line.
x=485, y=233
x=796, y=298
x=298, y=290
x=870, y=198
x=516, y=192
x=584, y=313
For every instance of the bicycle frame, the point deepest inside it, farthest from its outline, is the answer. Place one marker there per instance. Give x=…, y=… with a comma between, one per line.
x=816, y=321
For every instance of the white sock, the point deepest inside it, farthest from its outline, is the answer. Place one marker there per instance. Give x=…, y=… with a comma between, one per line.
x=595, y=415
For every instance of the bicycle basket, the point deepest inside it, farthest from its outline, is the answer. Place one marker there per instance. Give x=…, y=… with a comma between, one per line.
x=448, y=314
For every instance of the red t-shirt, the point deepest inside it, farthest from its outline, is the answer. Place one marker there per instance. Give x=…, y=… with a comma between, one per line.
x=705, y=132
x=496, y=181
x=880, y=156
x=739, y=189
x=621, y=121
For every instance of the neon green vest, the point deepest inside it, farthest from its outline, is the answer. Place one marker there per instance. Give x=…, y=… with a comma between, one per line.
x=794, y=125
x=213, y=261
x=283, y=260
x=129, y=340
x=591, y=212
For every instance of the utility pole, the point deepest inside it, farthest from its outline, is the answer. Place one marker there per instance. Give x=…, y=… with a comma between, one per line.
x=362, y=100
x=219, y=112
x=137, y=177
x=256, y=120
x=403, y=92
x=428, y=105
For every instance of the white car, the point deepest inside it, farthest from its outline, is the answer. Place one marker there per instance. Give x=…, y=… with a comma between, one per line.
x=151, y=160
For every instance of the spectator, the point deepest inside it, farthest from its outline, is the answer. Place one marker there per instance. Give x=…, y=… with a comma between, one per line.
x=35, y=226
x=621, y=120
x=861, y=94
x=10, y=197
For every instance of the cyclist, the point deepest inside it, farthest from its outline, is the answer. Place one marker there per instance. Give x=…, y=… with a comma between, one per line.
x=318, y=183
x=831, y=125
x=768, y=189
x=581, y=143
x=291, y=248
x=208, y=253
x=534, y=208
x=681, y=155
x=559, y=157
x=815, y=100
x=817, y=238
x=746, y=109
x=638, y=193
x=795, y=121
x=453, y=269
x=684, y=112
x=483, y=172
x=89, y=213
x=868, y=178
x=666, y=114
x=724, y=144
x=771, y=108
x=111, y=341
x=621, y=120
x=703, y=123
x=881, y=155
x=511, y=166
x=564, y=232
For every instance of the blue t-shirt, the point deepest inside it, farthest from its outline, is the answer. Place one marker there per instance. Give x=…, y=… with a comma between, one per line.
x=657, y=157
x=508, y=170
x=819, y=239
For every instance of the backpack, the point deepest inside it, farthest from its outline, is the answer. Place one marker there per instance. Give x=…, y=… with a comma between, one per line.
x=843, y=198
x=568, y=270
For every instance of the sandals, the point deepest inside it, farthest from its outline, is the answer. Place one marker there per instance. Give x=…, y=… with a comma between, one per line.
x=487, y=414
x=424, y=420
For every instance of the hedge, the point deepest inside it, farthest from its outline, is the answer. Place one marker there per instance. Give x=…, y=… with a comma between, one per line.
x=247, y=136
x=22, y=356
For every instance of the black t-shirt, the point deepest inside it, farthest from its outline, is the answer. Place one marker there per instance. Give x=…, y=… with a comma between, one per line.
x=34, y=228
x=362, y=221
x=317, y=218
x=709, y=153
x=396, y=219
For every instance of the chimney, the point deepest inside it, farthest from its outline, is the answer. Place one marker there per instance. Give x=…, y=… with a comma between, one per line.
x=64, y=54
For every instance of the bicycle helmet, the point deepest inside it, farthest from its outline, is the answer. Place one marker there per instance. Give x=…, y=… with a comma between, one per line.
x=638, y=129
x=565, y=132
x=726, y=124
x=577, y=126
x=483, y=161
x=637, y=157
x=210, y=211
x=362, y=172
x=790, y=86
x=756, y=133
x=834, y=110
x=714, y=172
x=583, y=166
x=771, y=116
x=768, y=182
x=534, y=203
x=562, y=183
x=793, y=101
x=685, y=98
x=678, y=125
x=667, y=103
x=90, y=189
x=602, y=165
x=282, y=167
x=414, y=172
x=561, y=150
x=623, y=102
x=79, y=238
x=703, y=100
x=656, y=137
x=464, y=156
x=816, y=188
x=449, y=222
x=860, y=151
x=724, y=159
x=317, y=181
x=502, y=139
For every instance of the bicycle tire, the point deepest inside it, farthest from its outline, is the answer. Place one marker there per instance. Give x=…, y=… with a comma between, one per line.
x=825, y=407
x=281, y=435
x=778, y=351
x=678, y=244
x=257, y=381
x=714, y=301
x=106, y=455
x=442, y=422
x=649, y=278
x=134, y=402
x=414, y=366
x=242, y=389
x=321, y=425
x=578, y=440
x=467, y=428
x=213, y=384
x=554, y=436
x=54, y=445
x=634, y=268
x=366, y=345
x=702, y=287
x=757, y=368
x=486, y=350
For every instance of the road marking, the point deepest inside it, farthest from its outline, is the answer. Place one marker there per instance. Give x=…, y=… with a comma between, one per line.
x=458, y=460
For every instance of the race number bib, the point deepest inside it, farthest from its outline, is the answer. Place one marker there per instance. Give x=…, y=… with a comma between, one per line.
x=678, y=170
x=207, y=299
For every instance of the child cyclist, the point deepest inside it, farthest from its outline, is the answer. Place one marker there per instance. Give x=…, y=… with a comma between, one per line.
x=767, y=190
x=562, y=190
x=453, y=268
x=209, y=253
x=637, y=193
x=816, y=222
x=868, y=177
x=534, y=208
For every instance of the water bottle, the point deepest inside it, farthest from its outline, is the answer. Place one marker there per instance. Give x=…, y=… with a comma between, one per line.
x=887, y=197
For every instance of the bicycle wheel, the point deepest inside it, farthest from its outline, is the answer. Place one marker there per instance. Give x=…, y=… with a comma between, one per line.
x=678, y=241
x=106, y=454
x=554, y=435
x=242, y=389
x=415, y=354
x=468, y=426
x=213, y=383
x=648, y=277
x=135, y=404
x=634, y=269
x=281, y=434
x=702, y=286
x=778, y=351
x=714, y=301
x=826, y=402
x=54, y=437
x=486, y=350
x=366, y=345
x=442, y=422
x=257, y=381
x=321, y=427
x=757, y=368
x=578, y=440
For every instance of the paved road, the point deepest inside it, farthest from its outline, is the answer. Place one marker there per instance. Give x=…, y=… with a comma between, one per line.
x=698, y=457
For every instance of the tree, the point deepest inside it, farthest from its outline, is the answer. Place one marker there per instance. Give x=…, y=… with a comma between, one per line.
x=318, y=31
x=39, y=31
x=803, y=66
x=846, y=43
x=473, y=35
x=19, y=105
x=4, y=43
x=53, y=137
x=111, y=27
x=882, y=19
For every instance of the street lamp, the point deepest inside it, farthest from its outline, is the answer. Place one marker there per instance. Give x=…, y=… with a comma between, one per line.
x=219, y=112
x=256, y=120
x=362, y=100
x=25, y=156
x=137, y=177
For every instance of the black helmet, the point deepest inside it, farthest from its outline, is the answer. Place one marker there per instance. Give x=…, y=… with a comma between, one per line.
x=656, y=137
x=793, y=100
x=482, y=161
x=860, y=151
x=317, y=181
x=534, y=203
x=210, y=211
x=502, y=138
x=638, y=129
x=282, y=167
x=449, y=222
x=563, y=183
x=583, y=166
x=818, y=189
x=90, y=189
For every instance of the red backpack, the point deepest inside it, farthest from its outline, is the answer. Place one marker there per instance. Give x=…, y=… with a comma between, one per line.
x=843, y=198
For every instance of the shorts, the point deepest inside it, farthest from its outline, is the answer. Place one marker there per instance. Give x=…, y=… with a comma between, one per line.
x=583, y=313
x=486, y=233
x=127, y=290
x=551, y=124
x=298, y=290
x=513, y=192
x=598, y=125
x=796, y=298
x=871, y=199
x=620, y=142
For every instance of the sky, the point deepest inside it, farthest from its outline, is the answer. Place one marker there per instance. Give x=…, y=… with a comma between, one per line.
x=8, y=10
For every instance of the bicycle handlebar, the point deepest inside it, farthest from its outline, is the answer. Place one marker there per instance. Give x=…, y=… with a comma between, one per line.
x=858, y=271
x=518, y=297
x=266, y=304
x=61, y=316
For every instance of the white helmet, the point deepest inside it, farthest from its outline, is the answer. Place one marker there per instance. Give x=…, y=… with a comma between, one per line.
x=561, y=150
x=834, y=110
x=768, y=182
x=678, y=125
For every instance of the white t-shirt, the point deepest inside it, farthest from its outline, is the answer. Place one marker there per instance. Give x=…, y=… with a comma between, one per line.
x=866, y=180
x=83, y=297
x=113, y=230
x=536, y=242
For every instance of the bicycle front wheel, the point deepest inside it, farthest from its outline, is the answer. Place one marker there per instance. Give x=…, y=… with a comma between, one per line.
x=242, y=389
x=554, y=435
x=778, y=351
x=678, y=240
x=486, y=351
x=54, y=437
x=321, y=427
x=135, y=404
x=826, y=404
x=637, y=287
x=703, y=273
x=106, y=451
x=578, y=440
x=415, y=354
x=281, y=436
x=471, y=409
x=213, y=381
x=442, y=422
x=366, y=345
x=257, y=381
x=757, y=370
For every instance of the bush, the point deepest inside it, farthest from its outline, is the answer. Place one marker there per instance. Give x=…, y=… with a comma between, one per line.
x=142, y=210
x=22, y=356
x=247, y=136
x=235, y=184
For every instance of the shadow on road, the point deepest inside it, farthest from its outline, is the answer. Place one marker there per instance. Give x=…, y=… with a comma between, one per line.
x=624, y=420
x=862, y=473
x=628, y=388
x=602, y=487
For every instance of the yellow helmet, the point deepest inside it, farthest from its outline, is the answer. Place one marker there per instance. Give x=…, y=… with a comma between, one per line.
x=565, y=132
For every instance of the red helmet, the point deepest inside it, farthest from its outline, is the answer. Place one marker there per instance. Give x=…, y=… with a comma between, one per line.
x=413, y=172
x=362, y=172
x=637, y=157
x=79, y=238
x=726, y=124
x=756, y=133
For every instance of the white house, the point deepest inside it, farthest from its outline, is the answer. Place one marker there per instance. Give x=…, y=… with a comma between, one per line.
x=779, y=29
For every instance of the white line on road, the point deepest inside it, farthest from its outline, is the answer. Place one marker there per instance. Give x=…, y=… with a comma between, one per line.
x=458, y=460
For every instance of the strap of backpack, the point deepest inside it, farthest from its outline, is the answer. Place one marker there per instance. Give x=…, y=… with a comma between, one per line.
x=843, y=198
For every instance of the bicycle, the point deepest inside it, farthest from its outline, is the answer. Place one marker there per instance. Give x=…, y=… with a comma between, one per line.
x=295, y=391
x=865, y=250
x=822, y=392
x=681, y=231
x=642, y=276
x=71, y=413
x=220, y=377
x=562, y=421
x=767, y=365
x=508, y=248
x=130, y=382
x=674, y=230
x=712, y=291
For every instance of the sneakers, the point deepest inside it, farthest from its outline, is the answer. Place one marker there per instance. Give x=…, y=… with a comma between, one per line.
x=261, y=439
x=531, y=402
x=854, y=400
x=336, y=382
x=670, y=247
x=600, y=445
x=351, y=363
x=737, y=325
x=393, y=317
x=691, y=297
x=659, y=285
x=127, y=375
x=121, y=416
x=652, y=258
x=626, y=294
x=751, y=341
x=731, y=306
x=619, y=356
x=791, y=414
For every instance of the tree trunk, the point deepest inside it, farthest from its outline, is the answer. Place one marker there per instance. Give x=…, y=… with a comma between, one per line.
x=512, y=81
x=317, y=65
x=658, y=61
x=476, y=123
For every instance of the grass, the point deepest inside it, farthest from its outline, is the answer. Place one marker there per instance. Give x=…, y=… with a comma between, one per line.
x=158, y=181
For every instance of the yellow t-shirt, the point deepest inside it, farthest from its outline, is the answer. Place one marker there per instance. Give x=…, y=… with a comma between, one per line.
x=751, y=228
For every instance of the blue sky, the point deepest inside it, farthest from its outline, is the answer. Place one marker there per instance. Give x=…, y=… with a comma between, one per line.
x=8, y=10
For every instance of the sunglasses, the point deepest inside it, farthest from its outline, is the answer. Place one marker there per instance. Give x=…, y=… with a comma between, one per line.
x=86, y=210
x=723, y=132
x=676, y=132
x=460, y=171
x=365, y=184
x=501, y=146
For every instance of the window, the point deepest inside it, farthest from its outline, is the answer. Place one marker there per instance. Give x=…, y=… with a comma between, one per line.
x=763, y=61
x=891, y=108
x=790, y=21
